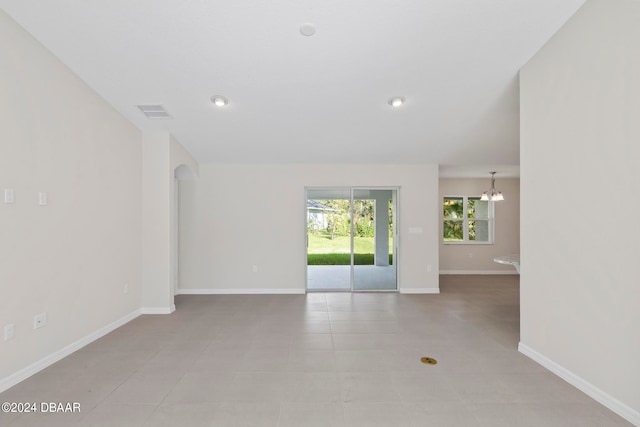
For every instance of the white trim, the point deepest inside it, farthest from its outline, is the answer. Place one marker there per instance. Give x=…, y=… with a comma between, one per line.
x=488, y=272
x=239, y=291
x=420, y=291
x=49, y=360
x=586, y=387
x=158, y=310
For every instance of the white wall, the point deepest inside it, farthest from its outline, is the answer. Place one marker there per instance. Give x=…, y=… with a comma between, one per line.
x=73, y=257
x=237, y=216
x=478, y=259
x=182, y=166
x=162, y=155
x=156, y=223
x=580, y=147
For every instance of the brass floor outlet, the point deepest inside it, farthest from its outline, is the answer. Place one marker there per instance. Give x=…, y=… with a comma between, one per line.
x=428, y=360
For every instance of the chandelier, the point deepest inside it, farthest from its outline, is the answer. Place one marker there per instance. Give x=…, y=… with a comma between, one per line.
x=492, y=194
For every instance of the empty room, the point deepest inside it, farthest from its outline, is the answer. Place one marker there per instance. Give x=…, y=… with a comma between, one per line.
x=363, y=213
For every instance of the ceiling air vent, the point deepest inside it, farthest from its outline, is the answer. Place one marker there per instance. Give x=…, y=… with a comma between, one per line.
x=154, y=112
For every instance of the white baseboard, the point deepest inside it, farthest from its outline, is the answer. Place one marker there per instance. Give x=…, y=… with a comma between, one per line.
x=240, y=291
x=158, y=310
x=586, y=387
x=36, y=367
x=481, y=272
x=420, y=291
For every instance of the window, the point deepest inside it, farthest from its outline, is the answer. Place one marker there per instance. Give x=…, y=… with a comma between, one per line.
x=467, y=220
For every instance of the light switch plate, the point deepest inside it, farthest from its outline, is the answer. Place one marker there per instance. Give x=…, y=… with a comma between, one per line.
x=8, y=331
x=9, y=196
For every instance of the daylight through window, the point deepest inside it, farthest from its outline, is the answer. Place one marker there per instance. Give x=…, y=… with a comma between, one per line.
x=467, y=220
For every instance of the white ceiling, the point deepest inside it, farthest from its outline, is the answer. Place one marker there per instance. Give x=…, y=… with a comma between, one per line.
x=310, y=99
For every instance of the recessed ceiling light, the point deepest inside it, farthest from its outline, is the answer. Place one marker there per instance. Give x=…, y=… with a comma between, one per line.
x=396, y=101
x=308, y=30
x=219, y=100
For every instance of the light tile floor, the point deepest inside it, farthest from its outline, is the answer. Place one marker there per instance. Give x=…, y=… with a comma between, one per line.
x=316, y=360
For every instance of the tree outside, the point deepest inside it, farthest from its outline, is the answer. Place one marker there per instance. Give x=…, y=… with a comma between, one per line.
x=332, y=245
x=454, y=219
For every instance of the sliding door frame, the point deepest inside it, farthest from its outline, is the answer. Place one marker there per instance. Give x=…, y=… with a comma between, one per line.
x=396, y=257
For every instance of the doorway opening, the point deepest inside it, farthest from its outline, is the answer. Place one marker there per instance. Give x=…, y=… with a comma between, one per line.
x=351, y=239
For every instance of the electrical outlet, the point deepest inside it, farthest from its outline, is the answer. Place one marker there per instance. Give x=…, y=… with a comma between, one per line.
x=254, y=268
x=429, y=267
x=39, y=320
x=8, y=331
x=126, y=288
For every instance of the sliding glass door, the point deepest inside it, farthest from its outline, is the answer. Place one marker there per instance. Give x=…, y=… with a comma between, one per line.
x=329, y=239
x=374, y=268
x=351, y=243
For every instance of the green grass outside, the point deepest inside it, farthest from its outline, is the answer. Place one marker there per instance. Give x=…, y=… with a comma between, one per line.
x=342, y=259
x=323, y=250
